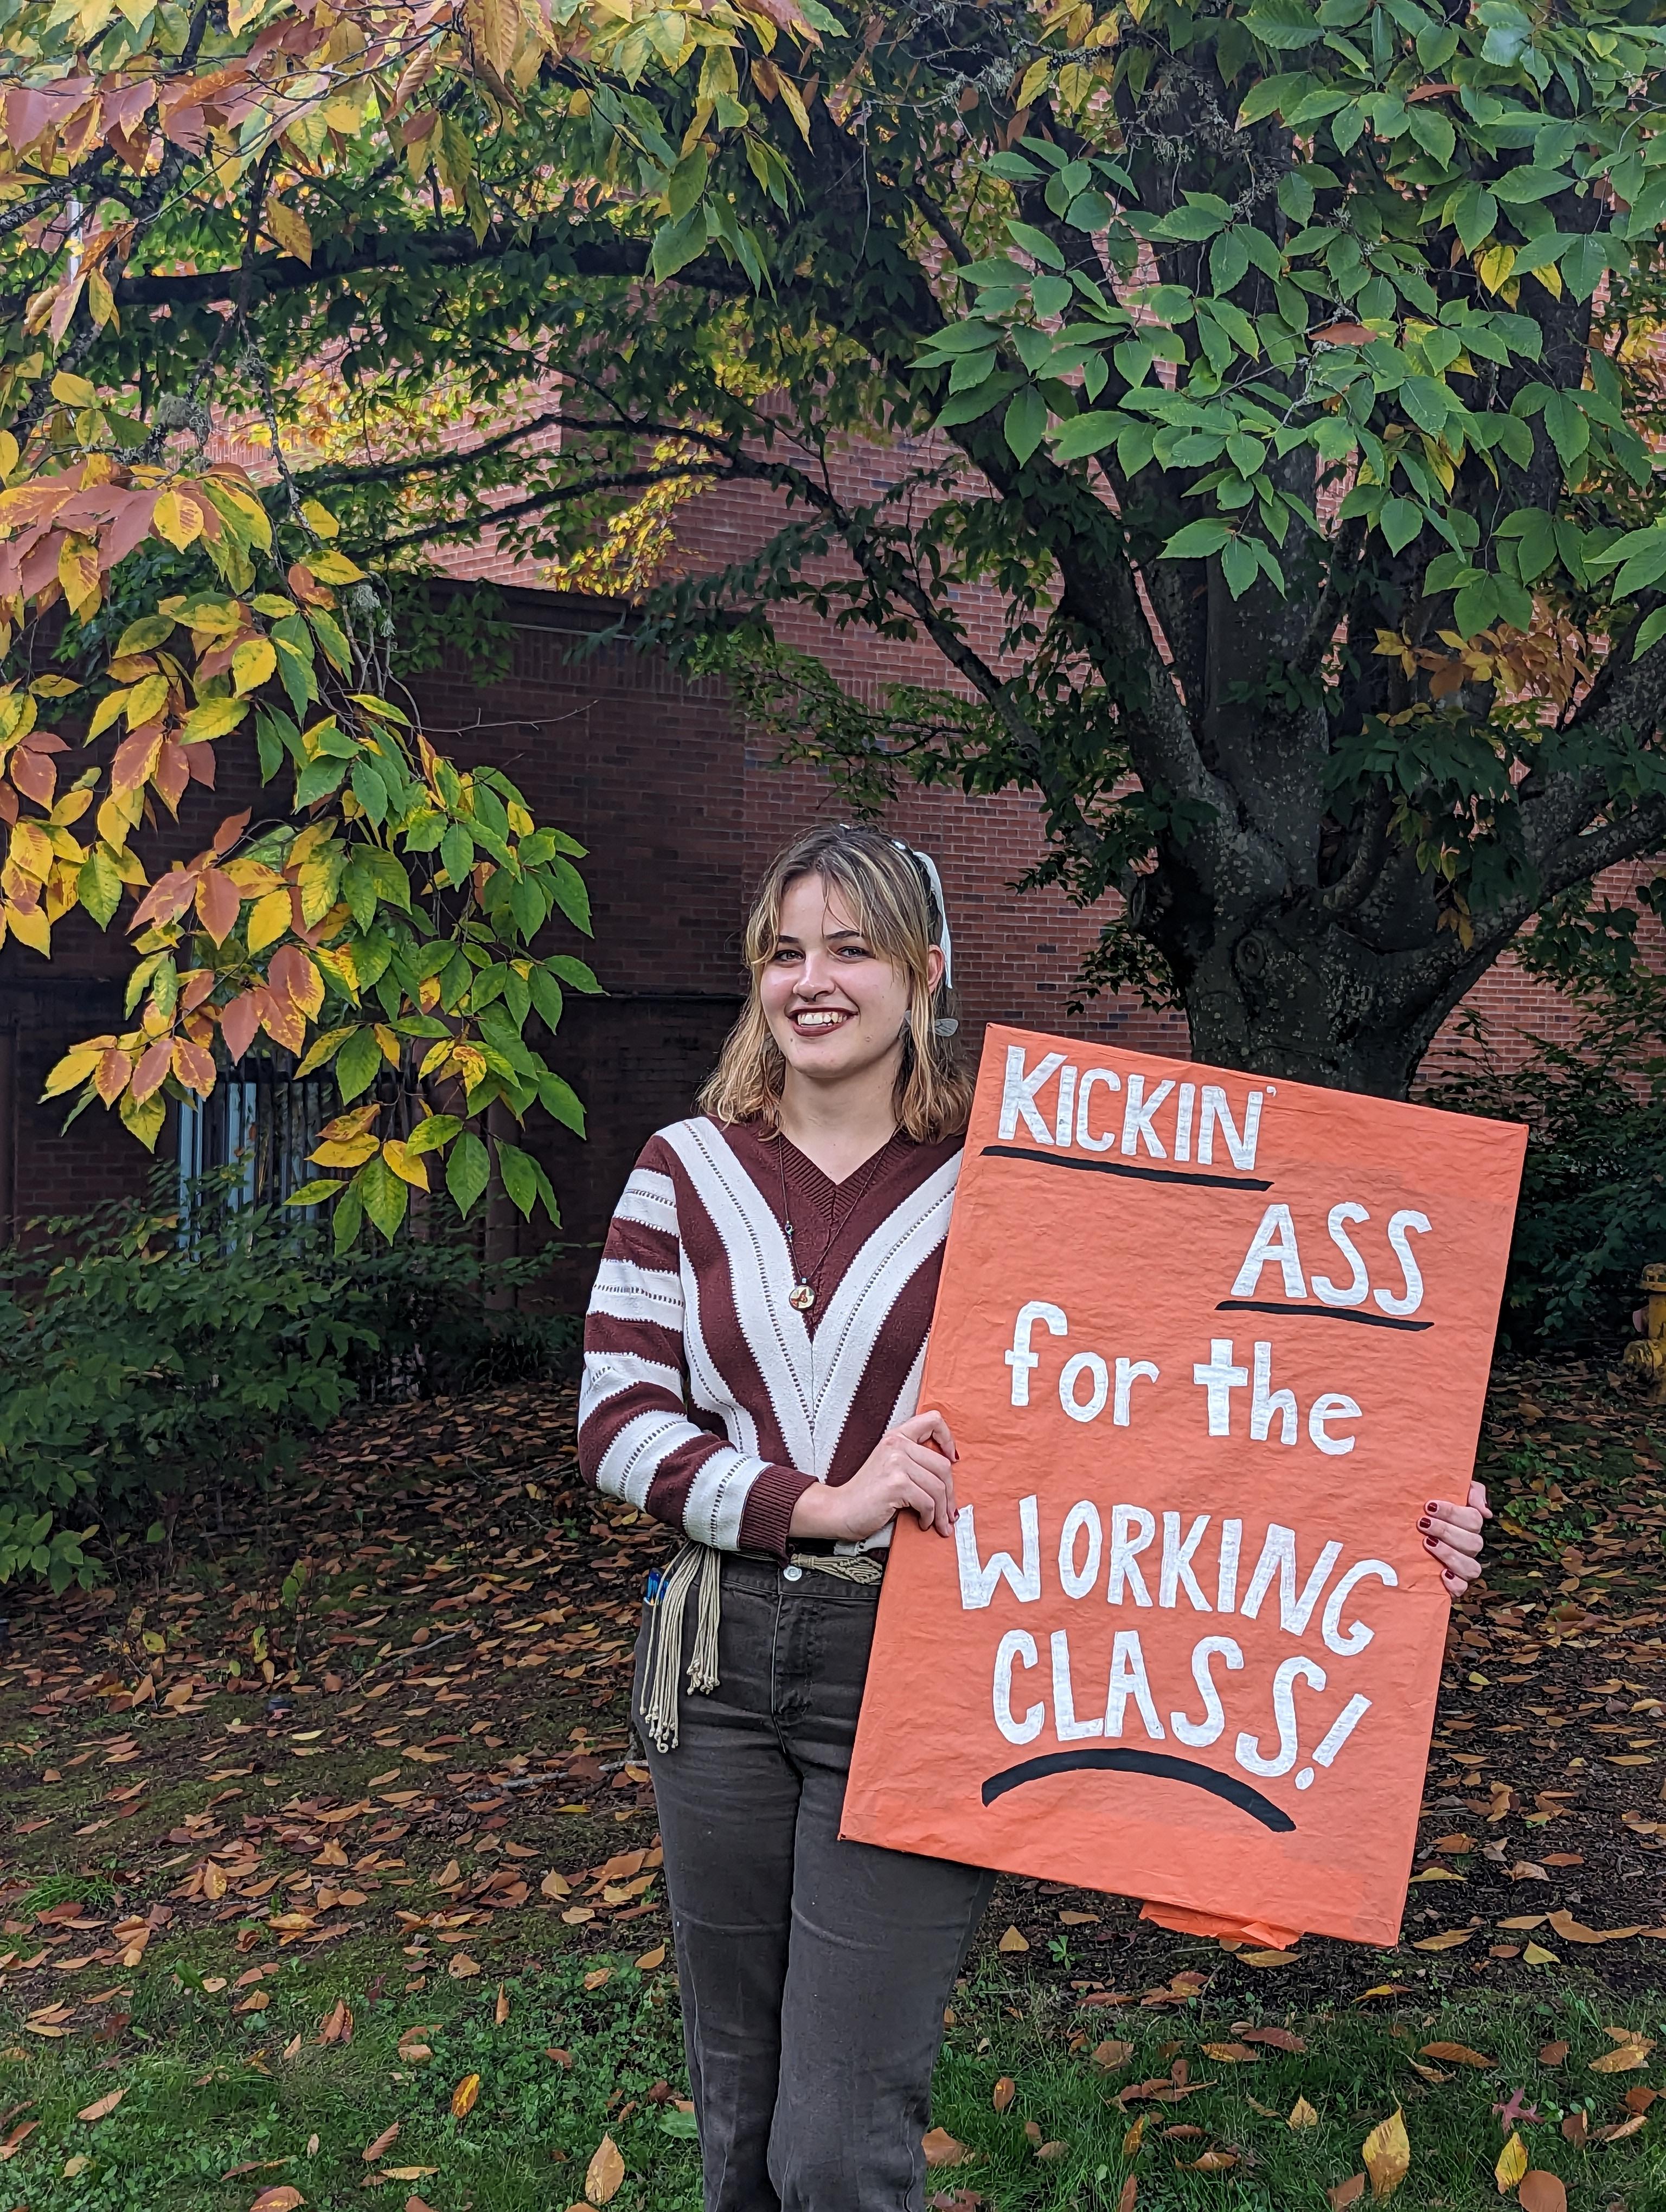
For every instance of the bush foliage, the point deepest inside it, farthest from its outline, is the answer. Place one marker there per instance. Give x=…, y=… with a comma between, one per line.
x=143, y=1360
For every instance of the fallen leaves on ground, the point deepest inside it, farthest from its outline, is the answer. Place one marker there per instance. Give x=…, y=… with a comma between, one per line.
x=1511, y=2164
x=1539, y=2191
x=1387, y=2153
x=941, y=2148
x=1302, y=2115
x=605, y=2172
x=373, y=2151
x=465, y=2096
x=102, y=2108
x=1457, y=2054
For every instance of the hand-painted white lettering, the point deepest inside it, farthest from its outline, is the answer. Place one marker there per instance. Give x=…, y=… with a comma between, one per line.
x=979, y=1580
x=1356, y=1635
x=1275, y=1239
x=1209, y=1728
x=1084, y=1138
x=1401, y=1225
x=1098, y=1377
x=1129, y=1372
x=1219, y=1378
x=1083, y=1518
x=1354, y=1291
x=1065, y=1726
x=1278, y=1557
x=1018, y=1094
x=1331, y=1406
x=1125, y=1521
x=1248, y=1751
x=1217, y=1114
x=1264, y=1402
x=1020, y=1358
x=1016, y=1648
x=1129, y=1680
x=1137, y=1117
x=1176, y=1573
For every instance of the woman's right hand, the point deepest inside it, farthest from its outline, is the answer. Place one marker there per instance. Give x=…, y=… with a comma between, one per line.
x=909, y=1470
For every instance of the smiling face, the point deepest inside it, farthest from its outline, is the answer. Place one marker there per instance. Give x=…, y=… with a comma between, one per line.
x=833, y=1005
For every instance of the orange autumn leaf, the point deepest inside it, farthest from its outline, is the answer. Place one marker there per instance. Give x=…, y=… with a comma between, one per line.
x=463, y=2096
x=605, y=2174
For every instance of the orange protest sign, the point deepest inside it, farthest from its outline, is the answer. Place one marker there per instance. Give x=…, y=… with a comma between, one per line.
x=1208, y=1344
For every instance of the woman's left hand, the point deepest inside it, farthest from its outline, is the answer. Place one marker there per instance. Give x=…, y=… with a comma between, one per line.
x=1453, y=1535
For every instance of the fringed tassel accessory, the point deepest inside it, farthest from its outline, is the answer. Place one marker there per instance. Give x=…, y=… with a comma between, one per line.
x=665, y=1642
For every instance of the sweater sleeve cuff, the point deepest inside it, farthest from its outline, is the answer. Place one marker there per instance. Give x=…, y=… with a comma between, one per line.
x=769, y=1509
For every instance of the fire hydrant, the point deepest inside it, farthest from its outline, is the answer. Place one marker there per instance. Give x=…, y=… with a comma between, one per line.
x=1647, y=1353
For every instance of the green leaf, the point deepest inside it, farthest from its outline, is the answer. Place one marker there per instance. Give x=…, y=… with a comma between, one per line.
x=1090, y=434
x=1229, y=258
x=1035, y=243
x=1275, y=94
x=1283, y=24
x=1427, y=401
x=433, y=1134
x=519, y=1174
x=1475, y=605
x=1295, y=196
x=468, y=1166
x=1583, y=266
x=1197, y=541
x=1569, y=431
x=457, y=852
x=98, y=885
x=322, y=1191
x=571, y=896
x=1239, y=565
x=1025, y=422
x=676, y=244
x=546, y=997
x=358, y=1064
x=1523, y=187
x=576, y=974
x=1400, y=521
x=383, y=1195
x=1649, y=632
x=559, y=1099
x=1474, y=212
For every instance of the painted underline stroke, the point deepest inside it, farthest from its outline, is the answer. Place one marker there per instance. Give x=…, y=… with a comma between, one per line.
x=1124, y=1168
x=1160, y=1764
x=1324, y=1313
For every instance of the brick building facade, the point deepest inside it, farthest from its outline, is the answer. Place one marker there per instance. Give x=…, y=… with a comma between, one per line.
x=679, y=809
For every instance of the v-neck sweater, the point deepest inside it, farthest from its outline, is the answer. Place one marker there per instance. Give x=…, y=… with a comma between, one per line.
x=708, y=1400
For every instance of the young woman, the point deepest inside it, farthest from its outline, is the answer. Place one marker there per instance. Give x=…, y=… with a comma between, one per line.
x=752, y=1357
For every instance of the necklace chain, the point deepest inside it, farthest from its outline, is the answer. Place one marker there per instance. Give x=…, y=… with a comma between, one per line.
x=806, y=1287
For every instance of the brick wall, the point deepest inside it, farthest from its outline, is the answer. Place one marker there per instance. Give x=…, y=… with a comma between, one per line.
x=680, y=811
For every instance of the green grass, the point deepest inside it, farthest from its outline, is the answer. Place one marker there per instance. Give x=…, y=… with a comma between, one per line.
x=207, y=2091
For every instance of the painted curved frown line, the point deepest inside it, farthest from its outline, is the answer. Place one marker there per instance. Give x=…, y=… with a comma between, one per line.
x=1161, y=1763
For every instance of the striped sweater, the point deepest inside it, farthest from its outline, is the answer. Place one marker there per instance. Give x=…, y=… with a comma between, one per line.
x=708, y=1401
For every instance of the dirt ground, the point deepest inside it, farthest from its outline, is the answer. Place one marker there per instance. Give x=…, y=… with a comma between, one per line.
x=395, y=1705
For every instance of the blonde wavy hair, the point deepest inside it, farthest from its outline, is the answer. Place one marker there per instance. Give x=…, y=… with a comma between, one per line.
x=890, y=898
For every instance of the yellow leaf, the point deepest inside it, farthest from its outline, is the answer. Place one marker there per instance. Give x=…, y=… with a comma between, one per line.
x=605, y=2174
x=78, y=571
x=1011, y=1940
x=1387, y=2154
x=1302, y=2114
x=1495, y=265
x=413, y=1171
x=179, y=518
x=211, y=718
x=555, y=1885
x=1448, y=1940
x=334, y=569
x=1626, y=2060
x=321, y=518
x=75, y=1068
x=1035, y=77
x=269, y=918
x=108, y=708
x=1511, y=2165
x=74, y=392
x=30, y=926
x=351, y=1154
x=251, y=663
x=290, y=230
x=463, y=2097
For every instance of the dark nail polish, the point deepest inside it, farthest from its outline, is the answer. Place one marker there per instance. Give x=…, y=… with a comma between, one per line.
x=1433, y=1506
x=1423, y=1524
x=1428, y=1543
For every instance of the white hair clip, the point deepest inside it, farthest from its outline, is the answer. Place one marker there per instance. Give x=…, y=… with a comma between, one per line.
x=945, y=1025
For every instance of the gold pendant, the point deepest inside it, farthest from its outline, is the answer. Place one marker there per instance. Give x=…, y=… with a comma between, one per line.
x=801, y=1297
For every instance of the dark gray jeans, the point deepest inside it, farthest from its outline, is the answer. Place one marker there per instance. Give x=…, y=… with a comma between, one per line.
x=813, y=1973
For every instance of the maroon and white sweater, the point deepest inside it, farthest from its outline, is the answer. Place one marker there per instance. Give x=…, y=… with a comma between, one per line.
x=708, y=1400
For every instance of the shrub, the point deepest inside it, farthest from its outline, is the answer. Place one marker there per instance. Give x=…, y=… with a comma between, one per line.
x=1593, y=1201
x=140, y=1361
